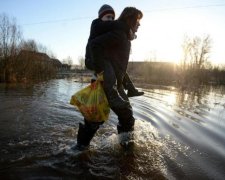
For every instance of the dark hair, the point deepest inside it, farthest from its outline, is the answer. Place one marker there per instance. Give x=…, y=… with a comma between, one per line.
x=130, y=15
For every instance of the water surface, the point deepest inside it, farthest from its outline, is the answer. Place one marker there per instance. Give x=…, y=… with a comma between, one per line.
x=179, y=134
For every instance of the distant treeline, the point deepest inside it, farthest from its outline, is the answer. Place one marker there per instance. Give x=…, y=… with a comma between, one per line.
x=23, y=60
x=28, y=66
x=166, y=73
x=193, y=69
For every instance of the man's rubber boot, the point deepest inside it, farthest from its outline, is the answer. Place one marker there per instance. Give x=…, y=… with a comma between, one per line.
x=126, y=137
x=84, y=136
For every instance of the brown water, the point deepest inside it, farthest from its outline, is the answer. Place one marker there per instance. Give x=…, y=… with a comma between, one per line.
x=178, y=135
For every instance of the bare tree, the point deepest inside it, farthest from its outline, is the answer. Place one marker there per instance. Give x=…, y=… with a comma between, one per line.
x=196, y=52
x=68, y=61
x=205, y=48
x=195, y=59
x=42, y=48
x=29, y=45
x=81, y=62
x=186, y=46
x=10, y=36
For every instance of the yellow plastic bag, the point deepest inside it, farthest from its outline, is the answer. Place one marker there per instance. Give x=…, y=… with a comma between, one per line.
x=92, y=102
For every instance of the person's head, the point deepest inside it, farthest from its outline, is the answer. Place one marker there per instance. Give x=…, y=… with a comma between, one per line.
x=106, y=13
x=131, y=16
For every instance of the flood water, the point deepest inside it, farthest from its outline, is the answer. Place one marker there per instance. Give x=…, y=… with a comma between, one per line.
x=179, y=134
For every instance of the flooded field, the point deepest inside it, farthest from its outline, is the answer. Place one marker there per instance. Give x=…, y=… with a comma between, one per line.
x=179, y=134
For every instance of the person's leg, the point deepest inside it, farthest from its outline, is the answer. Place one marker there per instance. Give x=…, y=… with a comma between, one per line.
x=125, y=114
x=128, y=84
x=122, y=93
x=110, y=87
x=85, y=134
x=126, y=119
x=125, y=126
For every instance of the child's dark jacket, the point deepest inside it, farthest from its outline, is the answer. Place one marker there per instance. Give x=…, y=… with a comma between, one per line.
x=108, y=40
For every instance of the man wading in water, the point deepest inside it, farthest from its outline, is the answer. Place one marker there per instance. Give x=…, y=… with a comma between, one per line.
x=110, y=54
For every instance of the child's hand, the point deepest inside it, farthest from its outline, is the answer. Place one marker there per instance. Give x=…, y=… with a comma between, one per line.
x=100, y=76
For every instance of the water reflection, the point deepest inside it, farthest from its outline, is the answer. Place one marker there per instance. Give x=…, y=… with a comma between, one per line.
x=200, y=102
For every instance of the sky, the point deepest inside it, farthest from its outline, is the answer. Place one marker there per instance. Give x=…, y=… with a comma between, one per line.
x=63, y=26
